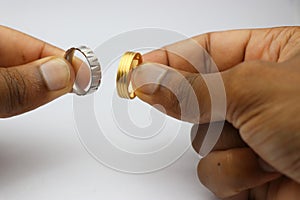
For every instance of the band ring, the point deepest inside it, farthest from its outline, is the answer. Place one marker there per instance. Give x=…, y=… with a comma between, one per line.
x=128, y=62
x=94, y=65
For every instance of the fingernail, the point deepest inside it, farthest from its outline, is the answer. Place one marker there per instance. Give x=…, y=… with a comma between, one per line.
x=265, y=166
x=147, y=78
x=56, y=74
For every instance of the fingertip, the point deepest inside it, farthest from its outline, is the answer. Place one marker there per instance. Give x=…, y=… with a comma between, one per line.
x=57, y=73
x=147, y=78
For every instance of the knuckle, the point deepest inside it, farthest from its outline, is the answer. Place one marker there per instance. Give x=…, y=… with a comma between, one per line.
x=248, y=72
x=169, y=102
x=244, y=85
x=173, y=102
x=187, y=99
x=14, y=91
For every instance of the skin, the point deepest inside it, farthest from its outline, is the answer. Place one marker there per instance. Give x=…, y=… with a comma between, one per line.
x=258, y=154
x=22, y=86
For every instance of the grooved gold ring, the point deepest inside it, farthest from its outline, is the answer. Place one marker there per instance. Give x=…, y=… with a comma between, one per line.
x=128, y=62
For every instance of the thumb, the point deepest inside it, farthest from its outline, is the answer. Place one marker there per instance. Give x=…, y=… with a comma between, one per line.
x=29, y=86
x=191, y=97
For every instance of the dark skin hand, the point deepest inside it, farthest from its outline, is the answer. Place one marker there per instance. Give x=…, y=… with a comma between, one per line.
x=32, y=72
x=258, y=153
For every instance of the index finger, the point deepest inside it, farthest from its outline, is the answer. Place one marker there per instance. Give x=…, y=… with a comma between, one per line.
x=17, y=48
x=226, y=49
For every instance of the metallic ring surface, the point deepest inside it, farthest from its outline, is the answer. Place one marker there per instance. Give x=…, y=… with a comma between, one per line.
x=128, y=62
x=94, y=65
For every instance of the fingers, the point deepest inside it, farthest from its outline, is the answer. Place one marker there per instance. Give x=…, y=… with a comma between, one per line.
x=210, y=52
x=226, y=49
x=185, y=96
x=229, y=138
x=17, y=48
x=161, y=85
x=229, y=150
x=29, y=86
x=279, y=189
x=228, y=173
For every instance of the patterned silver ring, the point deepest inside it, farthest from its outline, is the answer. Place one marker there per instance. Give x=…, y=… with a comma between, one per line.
x=94, y=65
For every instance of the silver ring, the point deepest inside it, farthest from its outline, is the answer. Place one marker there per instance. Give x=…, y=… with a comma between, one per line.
x=94, y=65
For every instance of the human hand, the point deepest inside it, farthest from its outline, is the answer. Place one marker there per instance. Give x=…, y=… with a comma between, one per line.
x=261, y=75
x=32, y=73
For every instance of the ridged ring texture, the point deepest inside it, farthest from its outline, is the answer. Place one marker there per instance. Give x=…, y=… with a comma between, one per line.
x=128, y=62
x=94, y=65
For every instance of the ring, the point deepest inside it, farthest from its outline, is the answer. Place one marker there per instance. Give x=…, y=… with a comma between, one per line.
x=128, y=62
x=94, y=65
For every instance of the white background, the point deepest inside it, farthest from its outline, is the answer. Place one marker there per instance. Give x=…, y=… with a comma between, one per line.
x=41, y=156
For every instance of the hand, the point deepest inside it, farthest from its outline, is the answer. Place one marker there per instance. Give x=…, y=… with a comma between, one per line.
x=32, y=73
x=261, y=75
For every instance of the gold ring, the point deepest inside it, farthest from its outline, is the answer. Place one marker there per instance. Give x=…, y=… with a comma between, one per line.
x=128, y=62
